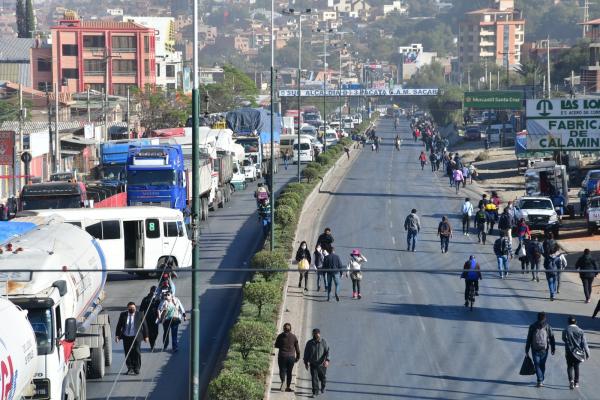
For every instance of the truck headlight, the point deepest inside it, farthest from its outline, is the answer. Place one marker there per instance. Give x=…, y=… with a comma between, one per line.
x=553, y=218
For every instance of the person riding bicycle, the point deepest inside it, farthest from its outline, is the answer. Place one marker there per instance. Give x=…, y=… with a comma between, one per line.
x=261, y=194
x=472, y=276
x=165, y=283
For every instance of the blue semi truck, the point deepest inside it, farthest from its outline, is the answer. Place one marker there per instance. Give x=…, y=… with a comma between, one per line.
x=113, y=158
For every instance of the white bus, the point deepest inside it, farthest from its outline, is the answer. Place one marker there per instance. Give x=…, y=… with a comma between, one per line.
x=132, y=237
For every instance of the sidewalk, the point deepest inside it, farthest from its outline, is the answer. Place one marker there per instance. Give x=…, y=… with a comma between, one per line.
x=295, y=309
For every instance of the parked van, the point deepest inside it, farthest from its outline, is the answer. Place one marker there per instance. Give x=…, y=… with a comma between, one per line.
x=139, y=237
x=306, y=149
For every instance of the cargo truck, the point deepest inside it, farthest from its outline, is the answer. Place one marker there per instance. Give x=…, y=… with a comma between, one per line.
x=57, y=273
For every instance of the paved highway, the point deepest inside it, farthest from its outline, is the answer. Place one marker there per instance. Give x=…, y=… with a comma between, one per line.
x=228, y=239
x=411, y=336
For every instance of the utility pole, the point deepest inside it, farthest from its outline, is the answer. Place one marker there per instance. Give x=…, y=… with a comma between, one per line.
x=548, y=68
x=586, y=17
x=51, y=153
x=469, y=77
x=195, y=339
x=57, y=164
x=272, y=163
x=17, y=154
x=325, y=33
x=128, y=120
x=89, y=116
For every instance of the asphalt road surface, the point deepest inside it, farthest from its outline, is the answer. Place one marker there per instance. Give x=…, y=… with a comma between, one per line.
x=411, y=335
x=228, y=239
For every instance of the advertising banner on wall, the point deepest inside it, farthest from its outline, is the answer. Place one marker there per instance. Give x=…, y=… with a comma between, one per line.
x=358, y=92
x=563, y=124
x=7, y=143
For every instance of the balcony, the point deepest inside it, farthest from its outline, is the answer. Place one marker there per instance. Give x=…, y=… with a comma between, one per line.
x=485, y=43
x=124, y=73
x=93, y=73
x=124, y=49
x=486, y=33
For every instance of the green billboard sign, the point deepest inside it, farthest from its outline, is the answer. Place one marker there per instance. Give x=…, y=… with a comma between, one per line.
x=494, y=100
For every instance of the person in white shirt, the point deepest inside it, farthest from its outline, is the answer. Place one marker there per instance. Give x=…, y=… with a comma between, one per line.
x=353, y=269
x=467, y=212
x=170, y=313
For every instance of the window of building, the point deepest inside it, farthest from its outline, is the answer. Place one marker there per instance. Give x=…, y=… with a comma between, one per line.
x=43, y=86
x=170, y=71
x=157, y=70
x=146, y=67
x=120, y=89
x=124, y=67
x=69, y=49
x=147, y=44
x=124, y=43
x=70, y=73
x=93, y=67
x=93, y=41
x=170, y=87
x=44, y=65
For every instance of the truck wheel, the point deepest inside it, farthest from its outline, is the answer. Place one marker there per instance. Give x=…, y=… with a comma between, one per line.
x=96, y=366
x=107, y=345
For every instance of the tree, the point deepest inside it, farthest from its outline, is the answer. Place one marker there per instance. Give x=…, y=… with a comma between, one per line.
x=29, y=19
x=261, y=293
x=236, y=89
x=571, y=60
x=21, y=19
x=249, y=335
x=159, y=110
x=442, y=113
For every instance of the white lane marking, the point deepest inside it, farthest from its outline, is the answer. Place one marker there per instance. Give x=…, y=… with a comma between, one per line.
x=391, y=226
x=394, y=240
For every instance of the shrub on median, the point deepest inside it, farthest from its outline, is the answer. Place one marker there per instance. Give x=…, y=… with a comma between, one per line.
x=232, y=385
x=261, y=293
x=311, y=174
x=248, y=335
x=265, y=259
x=285, y=215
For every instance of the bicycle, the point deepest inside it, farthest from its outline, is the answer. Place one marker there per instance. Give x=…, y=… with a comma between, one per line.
x=471, y=294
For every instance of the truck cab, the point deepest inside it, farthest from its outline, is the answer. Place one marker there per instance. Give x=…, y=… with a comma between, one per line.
x=46, y=195
x=155, y=176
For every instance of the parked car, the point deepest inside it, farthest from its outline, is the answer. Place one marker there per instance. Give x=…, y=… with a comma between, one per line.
x=539, y=213
x=472, y=133
x=592, y=214
x=592, y=174
x=250, y=171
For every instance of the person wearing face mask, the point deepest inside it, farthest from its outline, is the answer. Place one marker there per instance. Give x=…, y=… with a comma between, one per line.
x=318, y=257
x=303, y=259
x=353, y=269
x=316, y=358
x=170, y=313
x=131, y=328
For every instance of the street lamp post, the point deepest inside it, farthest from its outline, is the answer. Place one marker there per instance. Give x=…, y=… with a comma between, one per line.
x=299, y=14
x=272, y=163
x=325, y=33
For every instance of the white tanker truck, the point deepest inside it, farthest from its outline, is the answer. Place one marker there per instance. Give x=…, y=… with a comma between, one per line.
x=62, y=294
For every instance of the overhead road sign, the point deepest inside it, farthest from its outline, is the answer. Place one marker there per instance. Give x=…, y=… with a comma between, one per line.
x=494, y=100
x=358, y=92
x=563, y=124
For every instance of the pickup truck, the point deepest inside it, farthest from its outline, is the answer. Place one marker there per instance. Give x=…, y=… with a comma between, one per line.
x=539, y=213
x=592, y=214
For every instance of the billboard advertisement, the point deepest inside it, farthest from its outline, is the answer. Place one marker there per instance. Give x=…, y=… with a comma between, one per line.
x=494, y=100
x=7, y=146
x=563, y=124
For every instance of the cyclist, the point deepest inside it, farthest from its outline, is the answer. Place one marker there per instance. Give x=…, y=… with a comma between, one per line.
x=472, y=276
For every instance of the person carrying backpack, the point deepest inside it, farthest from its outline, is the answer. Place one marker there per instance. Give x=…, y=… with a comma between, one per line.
x=445, y=233
x=588, y=269
x=534, y=252
x=552, y=267
x=480, y=219
x=539, y=339
x=505, y=222
x=471, y=275
x=503, y=252
x=412, y=225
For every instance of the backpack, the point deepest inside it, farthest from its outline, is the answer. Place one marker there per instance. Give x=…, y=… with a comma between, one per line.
x=540, y=339
x=480, y=217
x=444, y=229
x=504, y=222
x=500, y=247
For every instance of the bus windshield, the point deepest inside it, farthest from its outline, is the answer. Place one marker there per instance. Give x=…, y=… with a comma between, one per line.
x=50, y=202
x=152, y=178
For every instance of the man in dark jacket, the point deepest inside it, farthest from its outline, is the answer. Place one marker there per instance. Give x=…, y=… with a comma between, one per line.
x=289, y=354
x=332, y=265
x=539, y=339
x=132, y=328
x=588, y=271
x=534, y=251
x=576, y=351
x=149, y=308
x=316, y=357
x=325, y=240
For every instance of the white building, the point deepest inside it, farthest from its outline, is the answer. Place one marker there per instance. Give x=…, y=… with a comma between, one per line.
x=115, y=12
x=168, y=61
x=414, y=58
x=396, y=6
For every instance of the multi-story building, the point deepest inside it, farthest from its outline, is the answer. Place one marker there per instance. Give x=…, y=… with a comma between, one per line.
x=168, y=60
x=491, y=35
x=99, y=55
x=590, y=74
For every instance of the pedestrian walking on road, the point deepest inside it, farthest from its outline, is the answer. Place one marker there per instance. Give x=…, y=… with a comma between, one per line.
x=316, y=359
x=445, y=233
x=505, y=223
x=561, y=264
x=576, y=350
x=534, y=251
x=467, y=212
x=149, y=308
x=354, y=270
x=171, y=312
x=412, y=225
x=286, y=159
x=432, y=161
x=423, y=160
x=521, y=254
x=318, y=257
x=588, y=270
x=457, y=177
x=131, y=328
x=522, y=230
x=303, y=259
x=552, y=267
x=480, y=220
x=540, y=339
x=503, y=252
x=471, y=275
x=465, y=172
x=332, y=265
x=325, y=240
x=289, y=354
